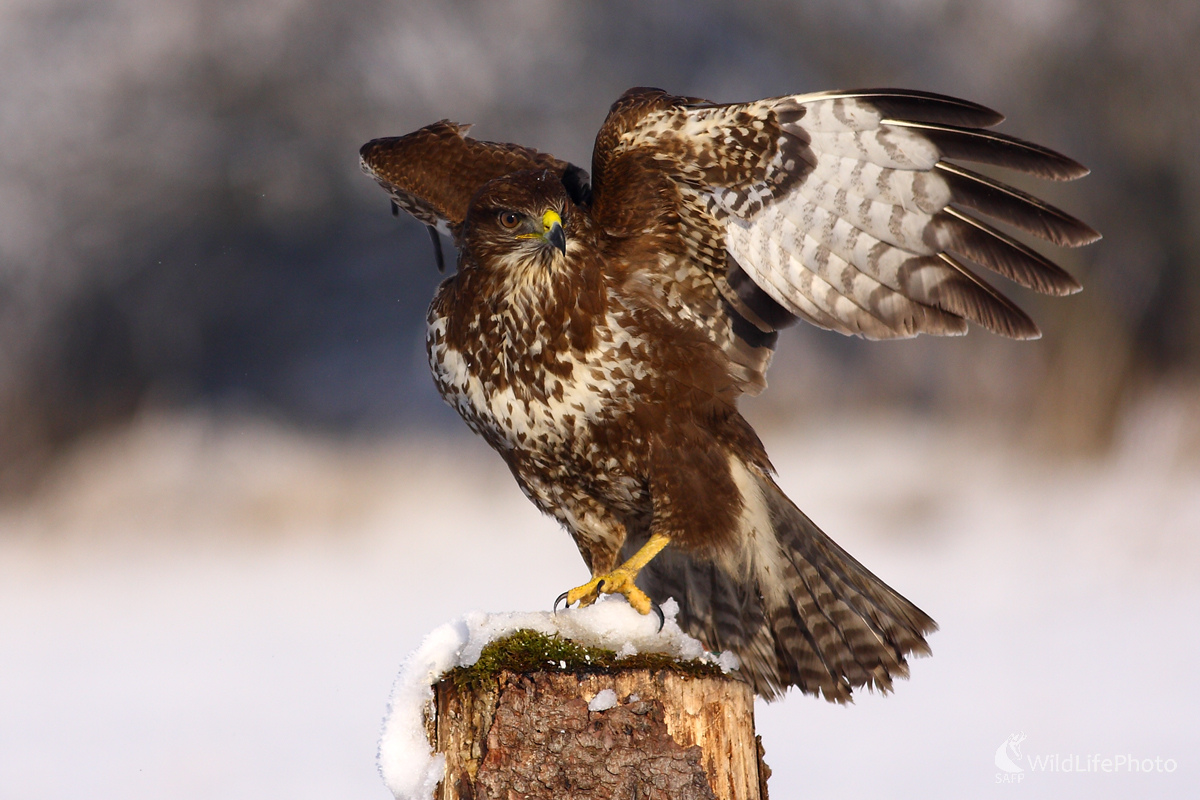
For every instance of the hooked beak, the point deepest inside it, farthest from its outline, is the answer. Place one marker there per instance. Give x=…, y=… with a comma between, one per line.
x=552, y=231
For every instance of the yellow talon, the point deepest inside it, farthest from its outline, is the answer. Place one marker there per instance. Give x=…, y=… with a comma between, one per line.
x=584, y=595
x=621, y=580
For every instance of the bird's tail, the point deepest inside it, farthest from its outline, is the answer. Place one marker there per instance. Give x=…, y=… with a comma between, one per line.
x=795, y=607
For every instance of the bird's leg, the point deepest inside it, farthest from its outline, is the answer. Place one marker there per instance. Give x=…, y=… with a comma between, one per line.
x=621, y=580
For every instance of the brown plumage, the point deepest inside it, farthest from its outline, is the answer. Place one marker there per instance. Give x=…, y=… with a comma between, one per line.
x=598, y=335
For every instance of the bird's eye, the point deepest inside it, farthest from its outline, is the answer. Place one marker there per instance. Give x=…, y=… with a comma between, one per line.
x=510, y=219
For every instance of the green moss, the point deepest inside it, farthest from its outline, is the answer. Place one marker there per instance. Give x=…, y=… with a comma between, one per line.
x=529, y=651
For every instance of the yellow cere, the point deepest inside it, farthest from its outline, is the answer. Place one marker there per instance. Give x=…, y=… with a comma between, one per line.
x=548, y=220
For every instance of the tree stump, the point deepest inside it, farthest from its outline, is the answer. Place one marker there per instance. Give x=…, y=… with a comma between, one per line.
x=666, y=735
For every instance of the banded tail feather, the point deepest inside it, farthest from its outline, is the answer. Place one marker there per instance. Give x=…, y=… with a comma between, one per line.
x=796, y=608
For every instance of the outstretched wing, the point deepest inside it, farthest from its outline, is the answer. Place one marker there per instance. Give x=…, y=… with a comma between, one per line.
x=433, y=173
x=846, y=209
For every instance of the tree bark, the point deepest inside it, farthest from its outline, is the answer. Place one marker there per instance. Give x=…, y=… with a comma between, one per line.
x=669, y=737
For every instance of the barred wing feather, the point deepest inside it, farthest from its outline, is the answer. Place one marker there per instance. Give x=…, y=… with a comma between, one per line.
x=871, y=239
x=850, y=210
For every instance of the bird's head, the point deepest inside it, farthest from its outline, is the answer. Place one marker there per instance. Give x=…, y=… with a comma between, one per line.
x=520, y=224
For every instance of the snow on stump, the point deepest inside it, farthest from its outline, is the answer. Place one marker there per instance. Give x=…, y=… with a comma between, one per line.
x=592, y=703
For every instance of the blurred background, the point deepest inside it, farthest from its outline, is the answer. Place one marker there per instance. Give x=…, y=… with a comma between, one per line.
x=228, y=487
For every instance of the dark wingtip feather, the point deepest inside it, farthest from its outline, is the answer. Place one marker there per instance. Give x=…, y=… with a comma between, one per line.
x=918, y=106
x=929, y=107
x=1004, y=255
x=975, y=300
x=578, y=184
x=439, y=259
x=1021, y=210
x=989, y=147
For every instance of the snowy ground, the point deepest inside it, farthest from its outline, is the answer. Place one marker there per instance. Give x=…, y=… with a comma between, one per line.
x=198, y=610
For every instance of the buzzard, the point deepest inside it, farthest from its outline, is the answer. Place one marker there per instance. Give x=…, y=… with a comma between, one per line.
x=599, y=331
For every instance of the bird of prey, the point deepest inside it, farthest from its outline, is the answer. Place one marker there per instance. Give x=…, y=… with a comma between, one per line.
x=599, y=331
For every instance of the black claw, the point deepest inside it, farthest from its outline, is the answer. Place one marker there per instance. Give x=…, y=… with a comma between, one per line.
x=559, y=599
x=662, y=619
x=600, y=587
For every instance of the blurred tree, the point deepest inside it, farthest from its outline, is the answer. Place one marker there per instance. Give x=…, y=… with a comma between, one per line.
x=182, y=219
